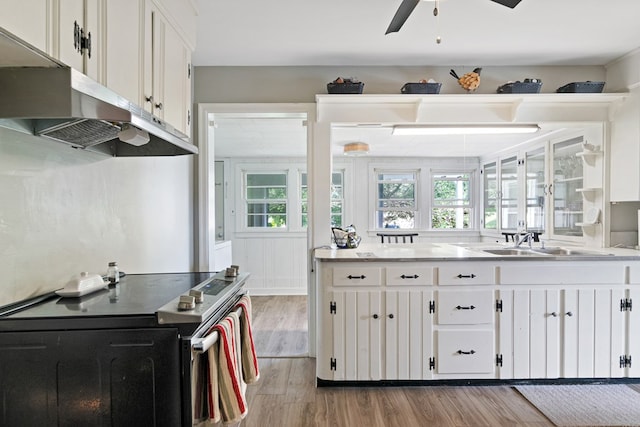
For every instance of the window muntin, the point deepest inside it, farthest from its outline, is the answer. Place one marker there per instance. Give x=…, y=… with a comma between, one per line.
x=396, y=204
x=266, y=199
x=451, y=200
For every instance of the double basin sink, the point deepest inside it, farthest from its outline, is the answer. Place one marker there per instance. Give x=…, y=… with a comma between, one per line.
x=552, y=251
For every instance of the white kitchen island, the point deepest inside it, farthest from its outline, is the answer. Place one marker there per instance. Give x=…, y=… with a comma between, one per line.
x=423, y=312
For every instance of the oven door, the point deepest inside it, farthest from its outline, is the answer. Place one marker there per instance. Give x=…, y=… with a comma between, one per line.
x=196, y=369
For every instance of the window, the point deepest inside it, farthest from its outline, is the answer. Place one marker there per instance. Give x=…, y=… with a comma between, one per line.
x=396, y=204
x=266, y=198
x=451, y=201
x=337, y=199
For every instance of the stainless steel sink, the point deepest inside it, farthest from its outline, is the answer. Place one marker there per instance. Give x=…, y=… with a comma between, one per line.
x=568, y=252
x=555, y=251
x=513, y=251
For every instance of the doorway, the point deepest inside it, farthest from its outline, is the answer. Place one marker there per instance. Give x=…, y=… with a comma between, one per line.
x=256, y=156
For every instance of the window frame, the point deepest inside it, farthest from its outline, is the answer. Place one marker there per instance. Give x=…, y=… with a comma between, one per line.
x=376, y=172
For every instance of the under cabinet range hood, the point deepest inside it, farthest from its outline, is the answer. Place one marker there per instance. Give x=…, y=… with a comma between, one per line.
x=43, y=97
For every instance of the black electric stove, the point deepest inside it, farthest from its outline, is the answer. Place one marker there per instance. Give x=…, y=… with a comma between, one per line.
x=120, y=356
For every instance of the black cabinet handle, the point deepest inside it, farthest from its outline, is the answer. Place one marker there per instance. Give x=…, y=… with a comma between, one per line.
x=568, y=313
x=554, y=314
x=460, y=307
x=375, y=316
x=159, y=105
x=466, y=352
x=415, y=276
x=149, y=98
x=76, y=36
x=466, y=276
x=391, y=316
x=362, y=276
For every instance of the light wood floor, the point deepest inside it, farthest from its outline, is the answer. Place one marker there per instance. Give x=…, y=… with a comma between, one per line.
x=286, y=394
x=280, y=325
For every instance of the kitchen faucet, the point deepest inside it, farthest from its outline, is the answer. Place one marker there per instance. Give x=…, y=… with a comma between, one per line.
x=521, y=238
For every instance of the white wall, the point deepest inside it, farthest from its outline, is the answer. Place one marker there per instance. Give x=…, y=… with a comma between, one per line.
x=63, y=211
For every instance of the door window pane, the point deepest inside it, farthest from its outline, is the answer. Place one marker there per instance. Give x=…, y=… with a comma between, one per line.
x=509, y=194
x=490, y=177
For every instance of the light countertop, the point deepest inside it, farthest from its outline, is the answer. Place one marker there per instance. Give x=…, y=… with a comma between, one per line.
x=462, y=251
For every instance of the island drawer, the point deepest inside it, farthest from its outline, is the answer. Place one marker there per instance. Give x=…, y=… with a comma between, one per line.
x=356, y=275
x=466, y=273
x=409, y=274
x=561, y=273
x=465, y=352
x=465, y=307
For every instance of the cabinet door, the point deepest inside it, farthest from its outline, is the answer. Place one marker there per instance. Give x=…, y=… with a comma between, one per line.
x=357, y=335
x=175, y=79
x=70, y=23
x=92, y=56
x=633, y=334
x=408, y=335
x=536, y=189
x=544, y=334
x=28, y=20
x=509, y=193
x=124, y=51
x=567, y=178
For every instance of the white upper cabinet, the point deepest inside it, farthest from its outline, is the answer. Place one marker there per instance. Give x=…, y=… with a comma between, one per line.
x=123, y=54
x=78, y=35
x=29, y=20
x=167, y=78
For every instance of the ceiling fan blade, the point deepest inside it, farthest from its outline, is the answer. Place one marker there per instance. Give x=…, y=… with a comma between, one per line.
x=403, y=12
x=508, y=3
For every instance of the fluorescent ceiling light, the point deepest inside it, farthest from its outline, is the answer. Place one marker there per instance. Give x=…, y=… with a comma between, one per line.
x=463, y=129
x=356, y=149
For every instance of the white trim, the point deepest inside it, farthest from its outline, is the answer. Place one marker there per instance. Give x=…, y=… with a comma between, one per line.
x=276, y=291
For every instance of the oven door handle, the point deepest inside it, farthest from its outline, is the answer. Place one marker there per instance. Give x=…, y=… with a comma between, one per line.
x=201, y=341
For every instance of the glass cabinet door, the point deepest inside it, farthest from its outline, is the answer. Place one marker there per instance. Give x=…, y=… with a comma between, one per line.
x=490, y=196
x=509, y=193
x=536, y=189
x=567, y=179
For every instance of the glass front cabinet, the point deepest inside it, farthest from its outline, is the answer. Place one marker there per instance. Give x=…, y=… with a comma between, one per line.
x=552, y=188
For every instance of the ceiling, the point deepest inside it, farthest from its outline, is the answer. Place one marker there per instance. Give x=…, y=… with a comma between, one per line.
x=332, y=32
x=336, y=33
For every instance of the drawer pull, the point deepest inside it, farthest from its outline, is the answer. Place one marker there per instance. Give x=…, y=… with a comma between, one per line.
x=466, y=352
x=569, y=313
x=375, y=316
x=471, y=307
x=391, y=316
x=415, y=276
x=554, y=314
x=466, y=276
x=362, y=276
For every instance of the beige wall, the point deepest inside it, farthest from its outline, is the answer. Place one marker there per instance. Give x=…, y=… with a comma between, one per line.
x=301, y=84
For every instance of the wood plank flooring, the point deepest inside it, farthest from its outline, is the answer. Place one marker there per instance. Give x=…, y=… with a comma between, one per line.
x=286, y=395
x=280, y=325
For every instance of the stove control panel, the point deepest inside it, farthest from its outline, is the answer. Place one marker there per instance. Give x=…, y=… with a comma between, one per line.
x=202, y=300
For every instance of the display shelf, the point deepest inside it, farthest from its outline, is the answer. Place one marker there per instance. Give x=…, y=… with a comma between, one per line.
x=576, y=178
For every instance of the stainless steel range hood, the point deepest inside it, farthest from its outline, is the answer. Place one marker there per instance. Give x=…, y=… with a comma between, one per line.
x=43, y=97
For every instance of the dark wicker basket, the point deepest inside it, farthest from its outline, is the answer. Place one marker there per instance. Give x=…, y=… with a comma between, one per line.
x=520, y=87
x=582, y=87
x=345, y=88
x=421, y=88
